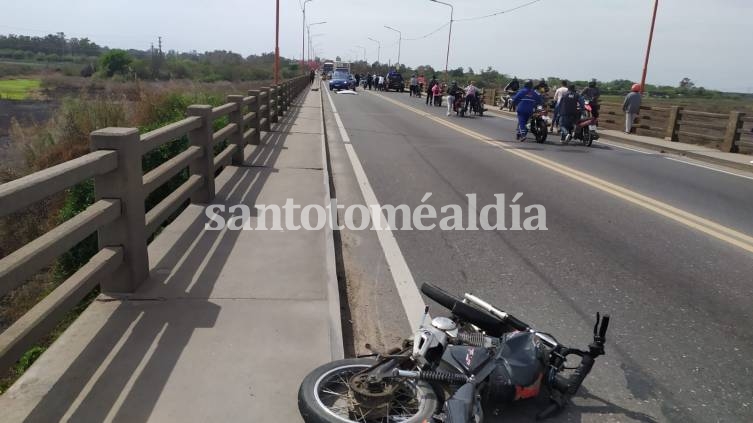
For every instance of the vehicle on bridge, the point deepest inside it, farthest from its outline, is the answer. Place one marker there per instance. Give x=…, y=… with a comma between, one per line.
x=327, y=69
x=395, y=81
x=451, y=369
x=342, y=80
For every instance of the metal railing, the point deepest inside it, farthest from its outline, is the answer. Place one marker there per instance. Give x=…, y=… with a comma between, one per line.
x=118, y=214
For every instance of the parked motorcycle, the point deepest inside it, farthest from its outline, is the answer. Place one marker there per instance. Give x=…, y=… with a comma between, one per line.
x=539, y=124
x=585, y=128
x=453, y=370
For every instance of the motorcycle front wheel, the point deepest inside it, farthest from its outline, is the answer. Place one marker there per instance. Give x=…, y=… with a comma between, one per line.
x=326, y=397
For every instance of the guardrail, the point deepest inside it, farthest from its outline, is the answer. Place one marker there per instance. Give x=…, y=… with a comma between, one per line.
x=118, y=214
x=728, y=132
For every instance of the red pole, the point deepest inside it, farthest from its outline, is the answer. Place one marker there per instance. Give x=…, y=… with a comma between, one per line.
x=277, y=44
x=648, y=49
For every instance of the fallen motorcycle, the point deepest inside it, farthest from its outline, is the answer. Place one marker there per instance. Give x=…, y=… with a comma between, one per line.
x=453, y=370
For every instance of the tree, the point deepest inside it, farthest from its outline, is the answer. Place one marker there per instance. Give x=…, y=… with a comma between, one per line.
x=686, y=83
x=115, y=62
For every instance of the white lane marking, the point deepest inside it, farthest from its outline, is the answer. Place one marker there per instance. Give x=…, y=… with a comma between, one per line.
x=413, y=304
x=647, y=152
x=709, y=168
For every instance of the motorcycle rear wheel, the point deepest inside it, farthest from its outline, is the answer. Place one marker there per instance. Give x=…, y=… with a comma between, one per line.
x=587, y=137
x=325, y=397
x=541, y=131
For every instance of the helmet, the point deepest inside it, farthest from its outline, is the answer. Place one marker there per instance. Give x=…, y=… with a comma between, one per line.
x=528, y=83
x=592, y=84
x=636, y=88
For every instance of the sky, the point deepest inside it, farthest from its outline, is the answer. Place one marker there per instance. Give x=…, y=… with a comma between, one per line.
x=707, y=41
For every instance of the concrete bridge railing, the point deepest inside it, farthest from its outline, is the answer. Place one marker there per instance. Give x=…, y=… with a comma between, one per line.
x=118, y=214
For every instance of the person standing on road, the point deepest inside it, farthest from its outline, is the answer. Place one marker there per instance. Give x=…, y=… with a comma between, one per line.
x=312, y=75
x=471, y=92
x=421, y=84
x=453, y=92
x=562, y=90
x=436, y=93
x=369, y=81
x=413, y=85
x=430, y=90
x=568, y=108
x=631, y=106
x=525, y=102
x=381, y=83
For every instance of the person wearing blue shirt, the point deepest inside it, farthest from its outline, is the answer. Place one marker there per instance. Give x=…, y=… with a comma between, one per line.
x=525, y=102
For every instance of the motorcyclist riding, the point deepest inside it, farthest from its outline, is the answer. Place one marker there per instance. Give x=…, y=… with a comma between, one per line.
x=525, y=102
x=511, y=88
x=592, y=94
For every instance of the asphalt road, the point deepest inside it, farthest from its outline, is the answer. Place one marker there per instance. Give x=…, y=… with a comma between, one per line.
x=681, y=338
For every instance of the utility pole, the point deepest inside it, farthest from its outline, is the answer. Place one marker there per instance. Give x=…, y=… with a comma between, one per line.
x=159, y=39
x=648, y=49
x=277, y=43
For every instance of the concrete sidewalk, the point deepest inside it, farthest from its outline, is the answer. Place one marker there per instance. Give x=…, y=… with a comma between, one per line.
x=693, y=151
x=229, y=322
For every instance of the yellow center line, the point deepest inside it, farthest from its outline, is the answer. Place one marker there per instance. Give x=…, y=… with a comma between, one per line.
x=683, y=217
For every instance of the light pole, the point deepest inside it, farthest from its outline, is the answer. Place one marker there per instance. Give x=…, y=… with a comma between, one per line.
x=399, y=43
x=303, y=34
x=364, y=52
x=379, y=48
x=648, y=49
x=308, y=30
x=449, y=37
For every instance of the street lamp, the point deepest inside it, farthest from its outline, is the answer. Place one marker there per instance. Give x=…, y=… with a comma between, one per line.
x=364, y=52
x=399, y=42
x=277, y=42
x=449, y=37
x=648, y=49
x=379, y=48
x=308, y=30
x=303, y=34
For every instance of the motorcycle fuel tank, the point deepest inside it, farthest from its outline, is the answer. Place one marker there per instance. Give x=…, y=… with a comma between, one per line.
x=468, y=360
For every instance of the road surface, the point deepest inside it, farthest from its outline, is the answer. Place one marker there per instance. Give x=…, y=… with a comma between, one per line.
x=663, y=245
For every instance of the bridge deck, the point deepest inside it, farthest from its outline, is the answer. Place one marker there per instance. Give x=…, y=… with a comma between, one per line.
x=229, y=322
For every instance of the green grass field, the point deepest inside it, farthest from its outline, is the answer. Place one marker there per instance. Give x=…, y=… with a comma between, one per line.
x=18, y=89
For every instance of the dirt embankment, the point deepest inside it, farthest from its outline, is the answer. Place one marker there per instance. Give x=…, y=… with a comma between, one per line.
x=26, y=112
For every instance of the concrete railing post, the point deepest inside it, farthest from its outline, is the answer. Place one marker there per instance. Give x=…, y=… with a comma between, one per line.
x=280, y=101
x=204, y=165
x=732, y=135
x=236, y=117
x=129, y=230
x=266, y=112
x=284, y=95
x=273, y=104
x=253, y=106
x=673, y=124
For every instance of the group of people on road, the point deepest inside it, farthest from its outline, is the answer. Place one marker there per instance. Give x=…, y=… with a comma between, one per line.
x=416, y=85
x=376, y=82
x=568, y=104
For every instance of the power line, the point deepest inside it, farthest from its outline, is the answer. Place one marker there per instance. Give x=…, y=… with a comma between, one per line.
x=497, y=13
x=427, y=35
